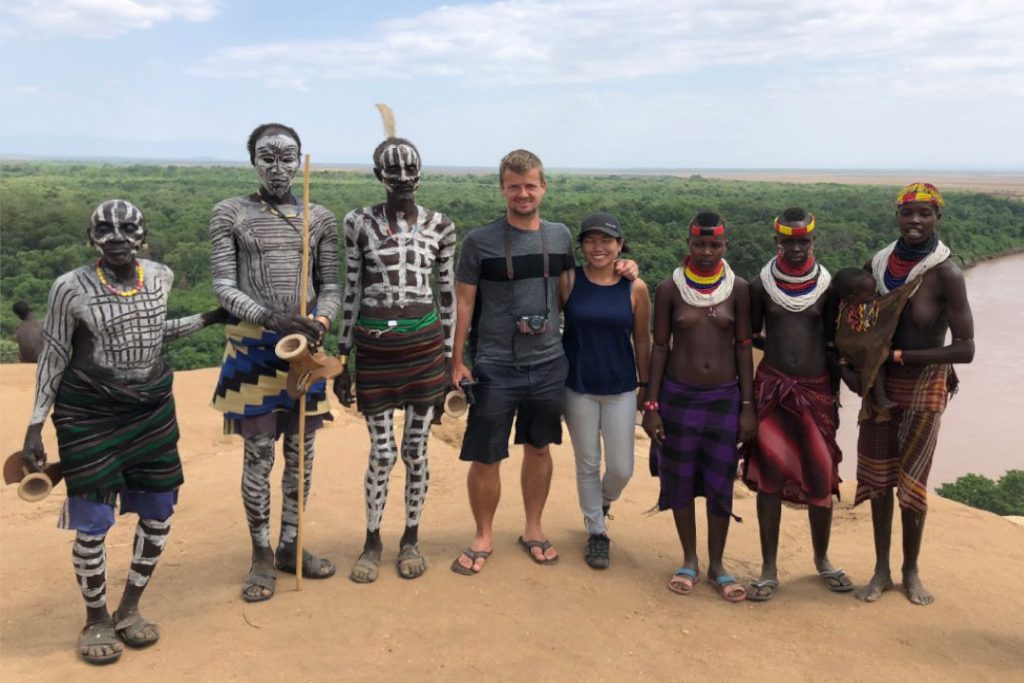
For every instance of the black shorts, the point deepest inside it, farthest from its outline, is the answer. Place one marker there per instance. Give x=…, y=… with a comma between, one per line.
x=535, y=391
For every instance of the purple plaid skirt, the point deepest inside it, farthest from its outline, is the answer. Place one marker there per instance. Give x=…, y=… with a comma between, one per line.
x=699, y=456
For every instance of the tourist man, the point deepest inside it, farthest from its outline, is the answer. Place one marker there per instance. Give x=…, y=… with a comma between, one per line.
x=103, y=372
x=918, y=378
x=391, y=321
x=29, y=335
x=795, y=456
x=256, y=259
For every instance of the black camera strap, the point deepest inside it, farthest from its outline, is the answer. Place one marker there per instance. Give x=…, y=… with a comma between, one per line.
x=510, y=270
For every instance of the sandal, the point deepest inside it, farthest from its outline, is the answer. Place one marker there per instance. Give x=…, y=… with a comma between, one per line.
x=411, y=563
x=135, y=630
x=730, y=589
x=764, y=590
x=286, y=563
x=473, y=555
x=528, y=546
x=257, y=584
x=100, y=634
x=683, y=581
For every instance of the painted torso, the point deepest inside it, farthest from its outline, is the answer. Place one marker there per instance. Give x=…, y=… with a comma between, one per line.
x=389, y=268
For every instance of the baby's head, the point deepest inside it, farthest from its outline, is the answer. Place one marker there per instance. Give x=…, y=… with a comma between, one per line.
x=854, y=285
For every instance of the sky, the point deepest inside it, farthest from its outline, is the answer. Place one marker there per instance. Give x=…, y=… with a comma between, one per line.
x=688, y=84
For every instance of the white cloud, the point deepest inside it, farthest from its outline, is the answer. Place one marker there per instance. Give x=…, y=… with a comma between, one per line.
x=101, y=18
x=531, y=42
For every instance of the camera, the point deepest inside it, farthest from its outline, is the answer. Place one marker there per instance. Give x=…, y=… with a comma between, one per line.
x=532, y=324
x=467, y=388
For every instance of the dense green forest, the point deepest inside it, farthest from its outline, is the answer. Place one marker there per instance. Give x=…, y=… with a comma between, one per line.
x=45, y=208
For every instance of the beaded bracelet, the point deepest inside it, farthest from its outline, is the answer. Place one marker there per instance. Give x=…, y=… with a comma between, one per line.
x=642, y=385
x=651, y=405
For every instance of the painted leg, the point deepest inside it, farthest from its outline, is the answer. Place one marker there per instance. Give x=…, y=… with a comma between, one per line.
x=881, y=526
x=133, y=628
x=535, y=478
x=259, y=460
x=411, y=562
x=484, y=485
x=98, y=643
x=383, y=454
x=313, y=567
x=913, y=534
x=769, y=519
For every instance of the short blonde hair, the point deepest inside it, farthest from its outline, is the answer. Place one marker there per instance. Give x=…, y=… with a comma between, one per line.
x=520, y=161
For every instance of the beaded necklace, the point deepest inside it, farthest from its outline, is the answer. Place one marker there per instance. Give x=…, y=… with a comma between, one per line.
x=896, y=264
x=704, y=289
x=795, y=289
x=114, y=290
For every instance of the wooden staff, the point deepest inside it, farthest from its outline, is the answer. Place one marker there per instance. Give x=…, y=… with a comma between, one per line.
x=302, y=399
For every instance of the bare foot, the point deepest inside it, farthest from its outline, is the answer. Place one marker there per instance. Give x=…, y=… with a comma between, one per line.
x=915, y=590
x=878, y=584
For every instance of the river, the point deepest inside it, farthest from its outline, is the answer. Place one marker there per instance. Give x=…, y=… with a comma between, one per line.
x=977, y=427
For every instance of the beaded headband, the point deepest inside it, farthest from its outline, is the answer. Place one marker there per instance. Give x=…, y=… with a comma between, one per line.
x=920, y=192
x=698, y=230
x=794, y=230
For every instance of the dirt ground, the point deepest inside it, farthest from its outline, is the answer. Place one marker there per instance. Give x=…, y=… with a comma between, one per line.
x=516, y=620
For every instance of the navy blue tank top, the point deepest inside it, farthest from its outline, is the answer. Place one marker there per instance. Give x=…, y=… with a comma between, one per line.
x=598, y=337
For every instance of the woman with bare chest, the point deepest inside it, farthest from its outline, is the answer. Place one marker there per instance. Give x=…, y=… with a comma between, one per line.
x=700, y=398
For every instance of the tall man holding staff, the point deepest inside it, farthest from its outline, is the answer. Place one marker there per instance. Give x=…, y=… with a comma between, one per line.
x=919, y=378
x=256, y=259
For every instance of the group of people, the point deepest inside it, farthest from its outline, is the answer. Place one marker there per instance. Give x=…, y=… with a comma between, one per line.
x=414, y=324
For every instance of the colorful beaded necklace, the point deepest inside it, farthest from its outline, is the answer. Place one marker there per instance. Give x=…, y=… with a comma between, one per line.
x=114, y=290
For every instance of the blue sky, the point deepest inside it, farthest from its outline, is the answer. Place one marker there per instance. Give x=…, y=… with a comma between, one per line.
x=703, y=84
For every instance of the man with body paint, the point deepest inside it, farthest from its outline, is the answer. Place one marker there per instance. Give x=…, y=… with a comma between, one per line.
x=256, y=260
x=403, y=346
x=103, y=372
x=795, y=456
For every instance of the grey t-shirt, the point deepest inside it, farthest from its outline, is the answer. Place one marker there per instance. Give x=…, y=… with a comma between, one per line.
x=500, y=301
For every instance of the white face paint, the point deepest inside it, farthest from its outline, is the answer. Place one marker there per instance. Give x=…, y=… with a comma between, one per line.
x=399, y=169
x=276, y=161
x=117, y=231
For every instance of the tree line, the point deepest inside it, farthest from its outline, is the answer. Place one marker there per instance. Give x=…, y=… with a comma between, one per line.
x=45, y=208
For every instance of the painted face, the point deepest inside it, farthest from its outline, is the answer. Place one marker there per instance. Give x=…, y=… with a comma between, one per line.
x=523, y=192
x=600, y=249
x=917, y=221
x=117, y=231
x=276, y=161
x=795, y=249
x=398, y=168
x=706, y=252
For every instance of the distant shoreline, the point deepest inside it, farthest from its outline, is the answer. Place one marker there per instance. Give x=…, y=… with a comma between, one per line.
x=999, y=182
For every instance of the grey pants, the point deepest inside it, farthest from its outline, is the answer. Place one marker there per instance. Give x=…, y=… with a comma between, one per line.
x=590, y=419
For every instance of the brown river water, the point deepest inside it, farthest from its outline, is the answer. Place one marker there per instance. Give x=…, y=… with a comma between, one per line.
x=978, y=426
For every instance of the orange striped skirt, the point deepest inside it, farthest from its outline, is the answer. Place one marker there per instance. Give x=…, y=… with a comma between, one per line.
x=899, y=453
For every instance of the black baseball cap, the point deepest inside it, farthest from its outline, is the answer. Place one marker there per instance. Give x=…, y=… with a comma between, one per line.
x=602, y=222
